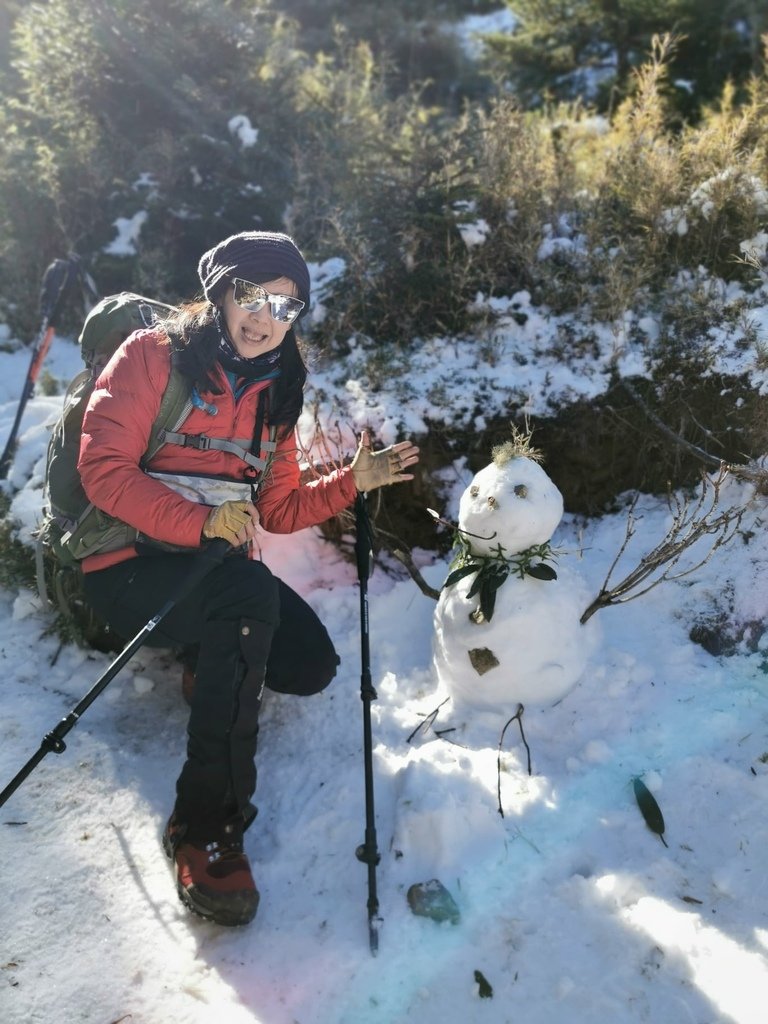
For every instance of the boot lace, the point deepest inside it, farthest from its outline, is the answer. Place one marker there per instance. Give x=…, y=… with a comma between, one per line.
x=217, y=851
x=228, y=849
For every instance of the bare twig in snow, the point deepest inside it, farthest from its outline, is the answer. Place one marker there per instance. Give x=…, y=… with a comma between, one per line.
x=427, y=720
x=517, y=717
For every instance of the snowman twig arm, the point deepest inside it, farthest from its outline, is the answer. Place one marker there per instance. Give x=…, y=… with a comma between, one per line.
x=689, y=525
x=406, y=559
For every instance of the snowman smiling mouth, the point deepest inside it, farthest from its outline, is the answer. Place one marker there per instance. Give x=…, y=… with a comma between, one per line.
x=457, y=529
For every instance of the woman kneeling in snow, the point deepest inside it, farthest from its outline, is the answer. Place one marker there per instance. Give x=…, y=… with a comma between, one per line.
x=239, y=354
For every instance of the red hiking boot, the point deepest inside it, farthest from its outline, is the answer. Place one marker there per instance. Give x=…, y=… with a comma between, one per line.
x=213, y=879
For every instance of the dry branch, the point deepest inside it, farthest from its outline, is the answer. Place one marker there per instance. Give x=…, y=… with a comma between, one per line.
x=744, y=471
x=404, y=557
x=332, y=457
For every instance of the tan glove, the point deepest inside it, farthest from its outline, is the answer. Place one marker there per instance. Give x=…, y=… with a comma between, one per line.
x=377, y=469
x=230, y=522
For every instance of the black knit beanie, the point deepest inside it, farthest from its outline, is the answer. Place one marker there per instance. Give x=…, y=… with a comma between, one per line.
x=253, y=255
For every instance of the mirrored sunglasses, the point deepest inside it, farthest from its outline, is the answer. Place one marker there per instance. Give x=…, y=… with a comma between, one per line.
x=250, y=296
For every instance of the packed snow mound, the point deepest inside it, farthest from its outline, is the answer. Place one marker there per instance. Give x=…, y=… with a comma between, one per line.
x=514, y=504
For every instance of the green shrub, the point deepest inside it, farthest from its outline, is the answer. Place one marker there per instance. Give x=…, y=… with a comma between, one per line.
x=17, y=560
x=119, y=114
x=376, y=180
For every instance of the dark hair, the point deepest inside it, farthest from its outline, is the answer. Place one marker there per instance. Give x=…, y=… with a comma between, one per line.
x=194, y=336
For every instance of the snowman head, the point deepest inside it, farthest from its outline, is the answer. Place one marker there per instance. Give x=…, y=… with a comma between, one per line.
x=511, y=503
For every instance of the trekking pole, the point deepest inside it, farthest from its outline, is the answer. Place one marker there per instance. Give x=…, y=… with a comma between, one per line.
x=57, y=281
x=368, y=852
x=53, y=741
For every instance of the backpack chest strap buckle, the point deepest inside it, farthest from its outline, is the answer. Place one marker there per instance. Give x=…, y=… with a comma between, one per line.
x=201, y=442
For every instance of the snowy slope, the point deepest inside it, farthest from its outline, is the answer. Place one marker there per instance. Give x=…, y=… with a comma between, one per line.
x=571, y=909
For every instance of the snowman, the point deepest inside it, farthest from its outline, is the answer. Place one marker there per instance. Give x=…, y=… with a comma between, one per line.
x=507, y=628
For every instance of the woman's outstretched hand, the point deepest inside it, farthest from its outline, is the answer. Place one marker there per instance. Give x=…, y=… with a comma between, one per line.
x=376, y=469
x=234, y=521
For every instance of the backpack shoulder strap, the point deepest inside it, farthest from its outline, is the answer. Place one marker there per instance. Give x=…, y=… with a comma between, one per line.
x=235, y=446
x=267, y=448
x=175, y=406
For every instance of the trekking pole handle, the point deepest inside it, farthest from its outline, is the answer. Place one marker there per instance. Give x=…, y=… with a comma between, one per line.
x=57, y=282
x=55, y=286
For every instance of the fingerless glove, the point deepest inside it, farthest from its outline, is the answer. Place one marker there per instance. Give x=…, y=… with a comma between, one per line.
x=227, y=520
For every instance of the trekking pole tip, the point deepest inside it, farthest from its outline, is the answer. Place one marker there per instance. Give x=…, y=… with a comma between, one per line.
x=373, y=934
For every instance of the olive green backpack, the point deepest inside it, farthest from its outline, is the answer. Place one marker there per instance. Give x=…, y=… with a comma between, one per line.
x=72, y=527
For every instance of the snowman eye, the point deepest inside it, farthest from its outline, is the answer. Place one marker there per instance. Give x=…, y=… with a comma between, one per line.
x=474, y=490
x=521, y=490
x=492, y=502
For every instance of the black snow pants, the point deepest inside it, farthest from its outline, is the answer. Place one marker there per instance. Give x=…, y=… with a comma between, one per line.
x=252, y=630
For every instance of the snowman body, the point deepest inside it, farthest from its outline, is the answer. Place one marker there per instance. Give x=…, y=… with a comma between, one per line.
x=534, y=649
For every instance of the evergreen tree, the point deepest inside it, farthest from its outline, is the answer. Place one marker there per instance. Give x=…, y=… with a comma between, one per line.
x=377, y=180
x=568, y=49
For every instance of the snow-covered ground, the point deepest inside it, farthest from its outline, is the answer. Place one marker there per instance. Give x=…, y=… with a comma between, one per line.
x=572, y=910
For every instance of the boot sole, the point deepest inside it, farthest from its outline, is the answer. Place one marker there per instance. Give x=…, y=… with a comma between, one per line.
x=242, y=908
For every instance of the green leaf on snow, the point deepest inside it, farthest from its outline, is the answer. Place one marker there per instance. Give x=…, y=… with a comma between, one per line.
x=649, y=809
x=484, y=989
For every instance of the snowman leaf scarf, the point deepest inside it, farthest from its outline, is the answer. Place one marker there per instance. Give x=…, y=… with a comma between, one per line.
x=493, y=569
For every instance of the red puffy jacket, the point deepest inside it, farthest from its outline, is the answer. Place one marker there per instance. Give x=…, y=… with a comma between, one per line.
x=116, y=431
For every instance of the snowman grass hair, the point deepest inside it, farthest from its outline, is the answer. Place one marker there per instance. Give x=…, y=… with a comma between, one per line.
x=484, y=555
x=518, y=446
